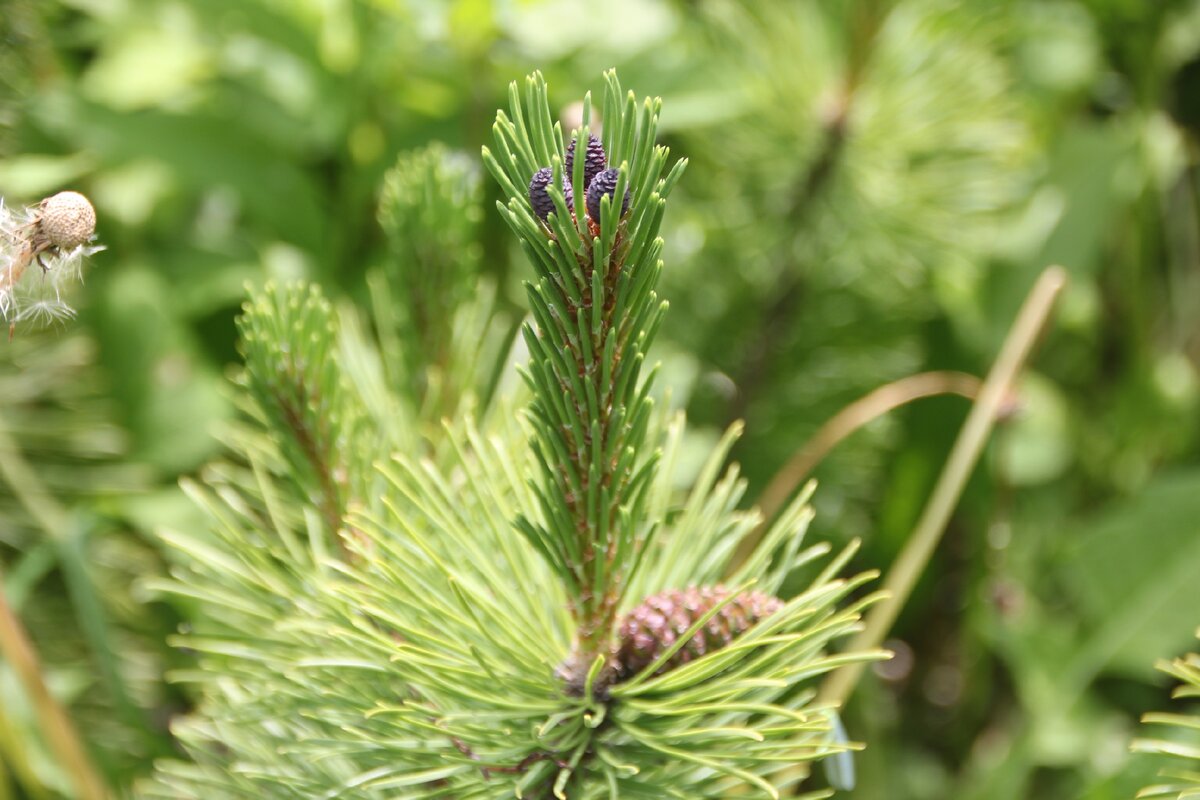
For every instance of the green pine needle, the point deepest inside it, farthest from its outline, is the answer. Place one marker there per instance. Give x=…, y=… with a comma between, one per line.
x=1182, y=735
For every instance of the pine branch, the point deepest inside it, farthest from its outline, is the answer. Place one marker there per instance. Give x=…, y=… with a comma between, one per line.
x=447, y=657
x=430, y=211
x=288, y=338
x=595, y=313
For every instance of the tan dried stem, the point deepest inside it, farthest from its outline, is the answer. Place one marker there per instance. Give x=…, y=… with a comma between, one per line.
x=968, y=447
x=840, y=426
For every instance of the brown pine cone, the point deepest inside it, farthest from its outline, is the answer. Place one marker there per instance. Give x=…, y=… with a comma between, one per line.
x=661, y=619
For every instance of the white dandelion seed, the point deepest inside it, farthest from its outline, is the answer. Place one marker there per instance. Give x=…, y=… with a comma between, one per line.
x=45, y=312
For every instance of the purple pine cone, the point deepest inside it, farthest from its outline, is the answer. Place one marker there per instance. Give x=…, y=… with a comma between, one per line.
x=593, y=165
x=661, y=619
x=539, y=198
x=605, y=183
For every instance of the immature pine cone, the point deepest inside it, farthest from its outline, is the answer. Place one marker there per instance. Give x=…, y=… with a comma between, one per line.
x=593, y=164
x=67, y=220
x=604, y=184
x=661, y=619
x=540, y=199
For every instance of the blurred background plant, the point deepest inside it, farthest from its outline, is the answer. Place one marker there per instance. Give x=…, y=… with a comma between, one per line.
x=874, y=186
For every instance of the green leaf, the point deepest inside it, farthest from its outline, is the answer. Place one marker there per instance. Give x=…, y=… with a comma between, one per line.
x=1133, y=571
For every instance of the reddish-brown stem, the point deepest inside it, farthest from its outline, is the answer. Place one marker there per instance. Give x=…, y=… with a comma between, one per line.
x=330, y=502
x=595, y=606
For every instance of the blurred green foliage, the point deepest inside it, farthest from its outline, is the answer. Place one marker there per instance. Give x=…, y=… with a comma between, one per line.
x=874, y=187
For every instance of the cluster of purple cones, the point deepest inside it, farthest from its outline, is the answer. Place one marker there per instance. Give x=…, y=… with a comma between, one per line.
x=597, y=177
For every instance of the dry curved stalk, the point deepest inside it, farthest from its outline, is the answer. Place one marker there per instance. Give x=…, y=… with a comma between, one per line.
x=865, y=410
x=992, y=403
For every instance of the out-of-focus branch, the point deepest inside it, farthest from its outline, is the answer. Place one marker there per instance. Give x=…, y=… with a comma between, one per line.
x=834, y=115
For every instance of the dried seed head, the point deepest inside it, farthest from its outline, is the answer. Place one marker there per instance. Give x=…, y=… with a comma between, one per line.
x=593, y=164
x=539, y=197
x=648, y=630
x=605, y=183
x=67, y=220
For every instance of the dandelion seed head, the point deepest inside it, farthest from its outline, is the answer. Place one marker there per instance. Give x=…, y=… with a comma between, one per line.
x=42, y=250
x=67, y=220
